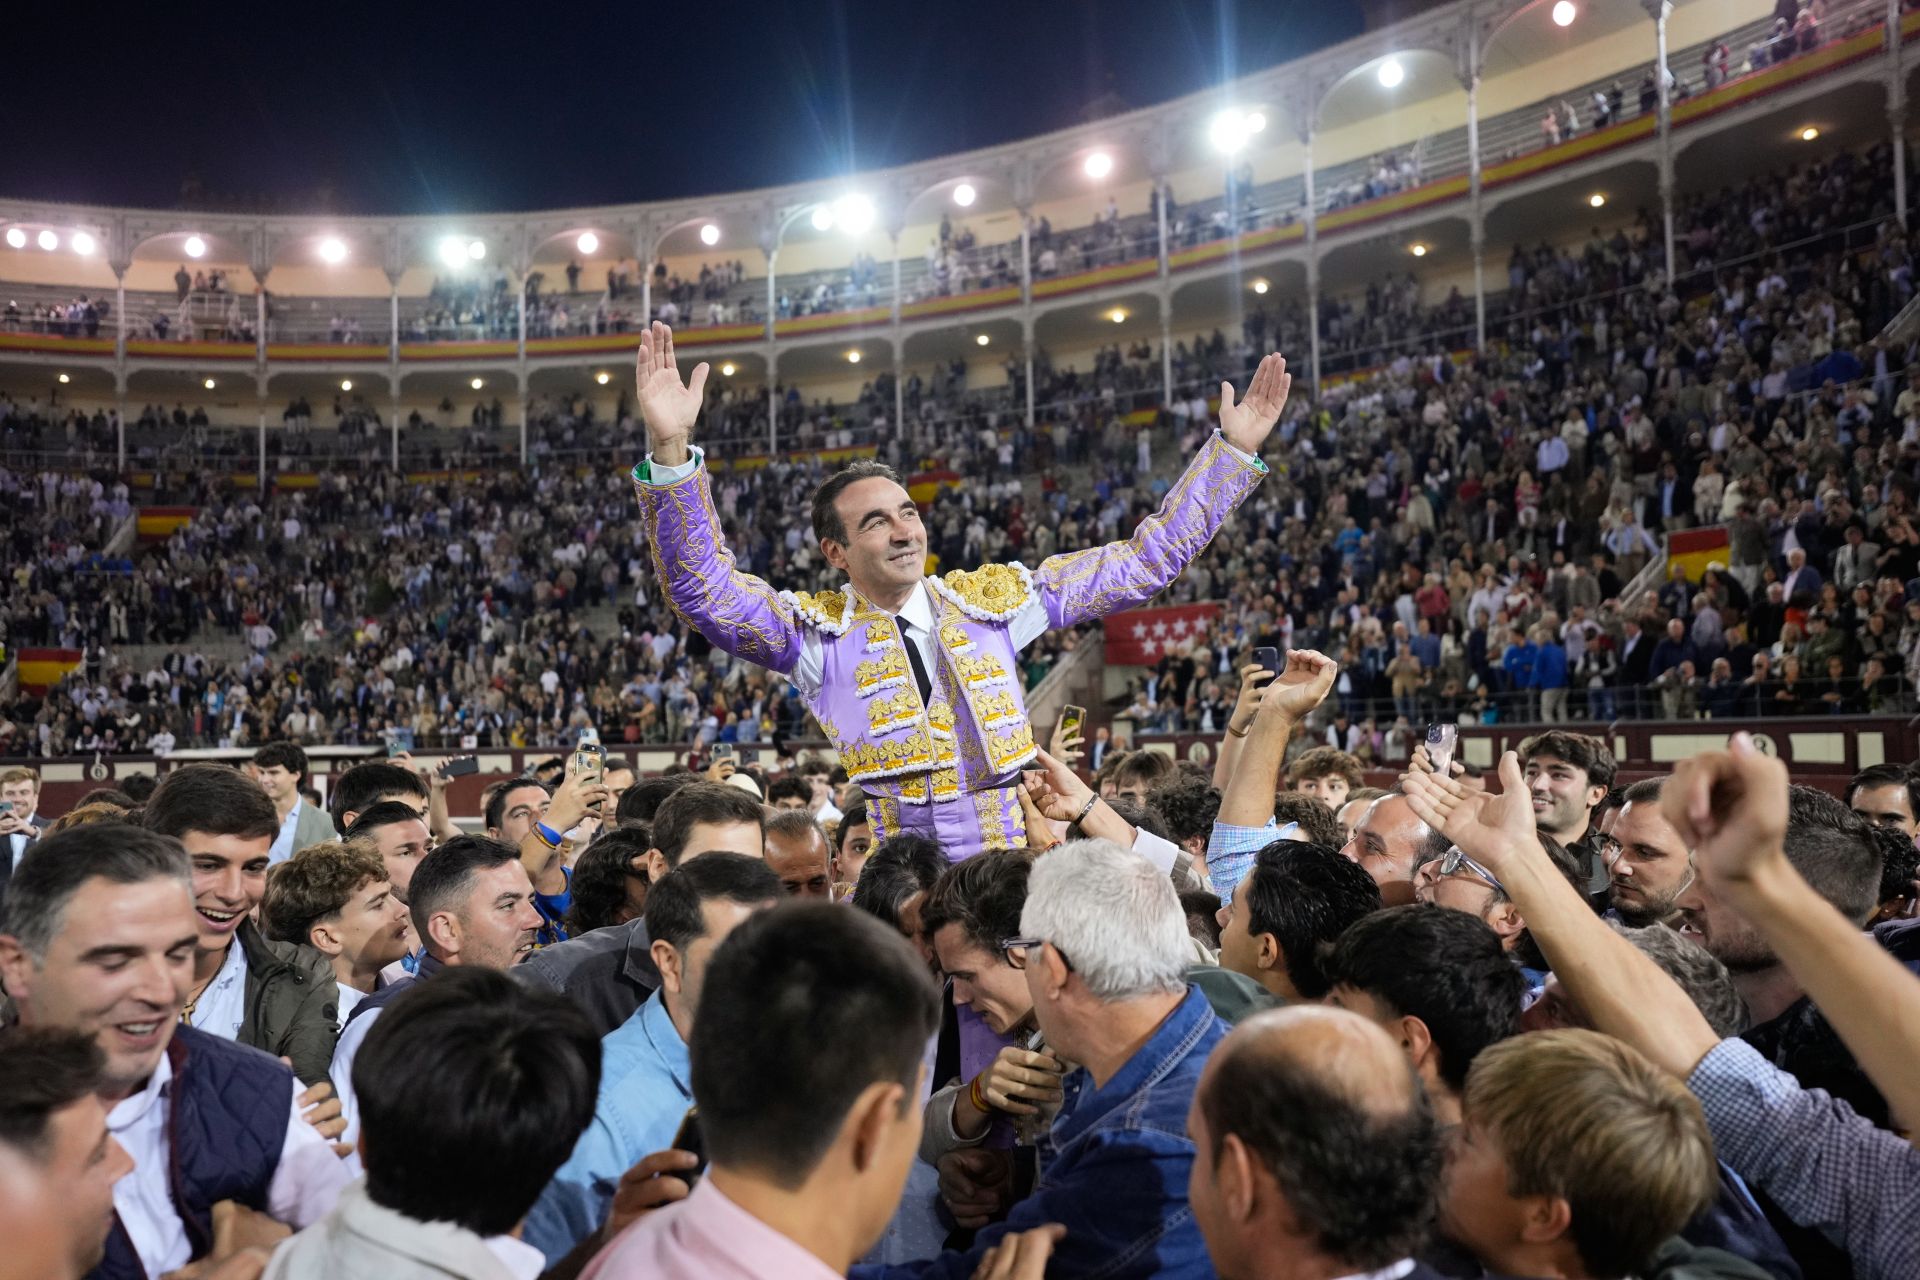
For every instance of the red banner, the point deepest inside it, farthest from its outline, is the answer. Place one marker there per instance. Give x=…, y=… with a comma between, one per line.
x=1141, y=637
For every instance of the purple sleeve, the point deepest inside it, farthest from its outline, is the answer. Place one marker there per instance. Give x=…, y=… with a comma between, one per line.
x=1080, y=585
x=735, y=610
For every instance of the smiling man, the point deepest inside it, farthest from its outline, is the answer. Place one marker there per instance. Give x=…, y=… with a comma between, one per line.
x=272, y=995
x=915, y=678
x=58, y=1162
x=281, y=768
x=471, y=904
x=1568, y=775
x=99, y=935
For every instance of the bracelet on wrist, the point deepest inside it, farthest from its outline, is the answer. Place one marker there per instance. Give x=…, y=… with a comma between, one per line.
x=1236, y=733
x=1086, y=809
x=976, y=1098
x=547, y=834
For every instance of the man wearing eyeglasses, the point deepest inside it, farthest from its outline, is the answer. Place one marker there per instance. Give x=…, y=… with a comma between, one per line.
x=1459, y=883
x=1650, y=866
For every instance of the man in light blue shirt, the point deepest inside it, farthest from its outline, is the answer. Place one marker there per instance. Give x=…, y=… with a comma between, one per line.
x=645, y=1080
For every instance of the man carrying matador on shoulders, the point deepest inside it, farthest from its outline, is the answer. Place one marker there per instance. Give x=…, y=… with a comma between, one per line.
x=913, y=678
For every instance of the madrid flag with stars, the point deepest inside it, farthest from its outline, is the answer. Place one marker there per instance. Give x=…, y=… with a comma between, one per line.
x=1141, y=637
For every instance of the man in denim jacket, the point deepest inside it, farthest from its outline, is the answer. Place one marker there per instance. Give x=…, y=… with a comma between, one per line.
x=1104, y=946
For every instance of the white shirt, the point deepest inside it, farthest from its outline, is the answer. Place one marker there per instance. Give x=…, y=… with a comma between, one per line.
x=349, y=997
x=306, y=1181
x=17, y=841
x=222, y=1007
x=283, y=843
x=340, y=1071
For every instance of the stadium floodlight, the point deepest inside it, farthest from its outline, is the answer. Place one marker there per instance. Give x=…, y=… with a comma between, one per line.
x=587, y=242
x=822, y=217
x=1261, y=286
x=964, y=195
x=982, y=340
x=453, y=251
x=477, y=383
x=1098, y=165
x=1563, y=13
x=1597, y=199
x=64, y=379
x=1809, y=133
x=16, y=238
x=853, y=357
x=333, y=250
x=208, y=384
x=603, y=377
x=1233, y=128
x=1417, y=249
x=1118, y=315
x=196, y=247
x=346, y=384
x=709, y=234
x=727, y=369
x=83, y=243
x=49, y=241
x=476, y=249
x=1391, y=73
x=854, y=214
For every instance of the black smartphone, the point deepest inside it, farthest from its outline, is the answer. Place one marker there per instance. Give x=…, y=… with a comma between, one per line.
x=460, y=767
x=689, y=1138
x=1268, y=657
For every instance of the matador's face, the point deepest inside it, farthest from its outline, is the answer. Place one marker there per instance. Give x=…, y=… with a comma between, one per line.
x=886, y=545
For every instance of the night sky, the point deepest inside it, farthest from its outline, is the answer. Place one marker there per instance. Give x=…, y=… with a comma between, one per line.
x=413, y=108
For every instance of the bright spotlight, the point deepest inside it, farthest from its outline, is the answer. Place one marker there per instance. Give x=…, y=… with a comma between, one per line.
x=1809, y=133
x=982, y=340
x=65, y=379
x=1563, y=12
x=709, y=234
x=452, y=252
x=854, y=214
x=1228, y=131
x=964, y=194
x=1260, y=286
x=1417, y=250
x=1391, y=73
x=587, y=242
x=333, y=250
x=477, y=383
x=853, y=357
x=1118, y=315
x=726, y=370
x=208, y=384
x=82, y=243
x=16, y=238
x=476, y=250
x=822, y=217
x=346, y=384
x=48, y=241
x=1098, y=165
x=1256, y=121
x=196, y=247
x=603, y=378
x=1596, y=200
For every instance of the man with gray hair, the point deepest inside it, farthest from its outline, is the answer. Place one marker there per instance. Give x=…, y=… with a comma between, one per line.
x=1104, y=947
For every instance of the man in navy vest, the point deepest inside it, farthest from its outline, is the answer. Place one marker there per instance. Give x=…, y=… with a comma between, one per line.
x=98, y=934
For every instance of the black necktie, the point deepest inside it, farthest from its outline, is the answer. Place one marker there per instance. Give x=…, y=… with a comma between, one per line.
x=920, y=677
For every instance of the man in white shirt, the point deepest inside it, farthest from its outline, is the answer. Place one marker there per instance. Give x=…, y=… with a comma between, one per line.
x=281, y=768
x=19, y=788
x=98, y=934
x=336, y=898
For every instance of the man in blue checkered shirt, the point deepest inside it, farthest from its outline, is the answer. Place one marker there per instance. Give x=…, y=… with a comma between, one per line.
x=1829, y=1170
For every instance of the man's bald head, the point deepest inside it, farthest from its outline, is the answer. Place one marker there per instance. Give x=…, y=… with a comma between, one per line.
x=1312, y=1131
